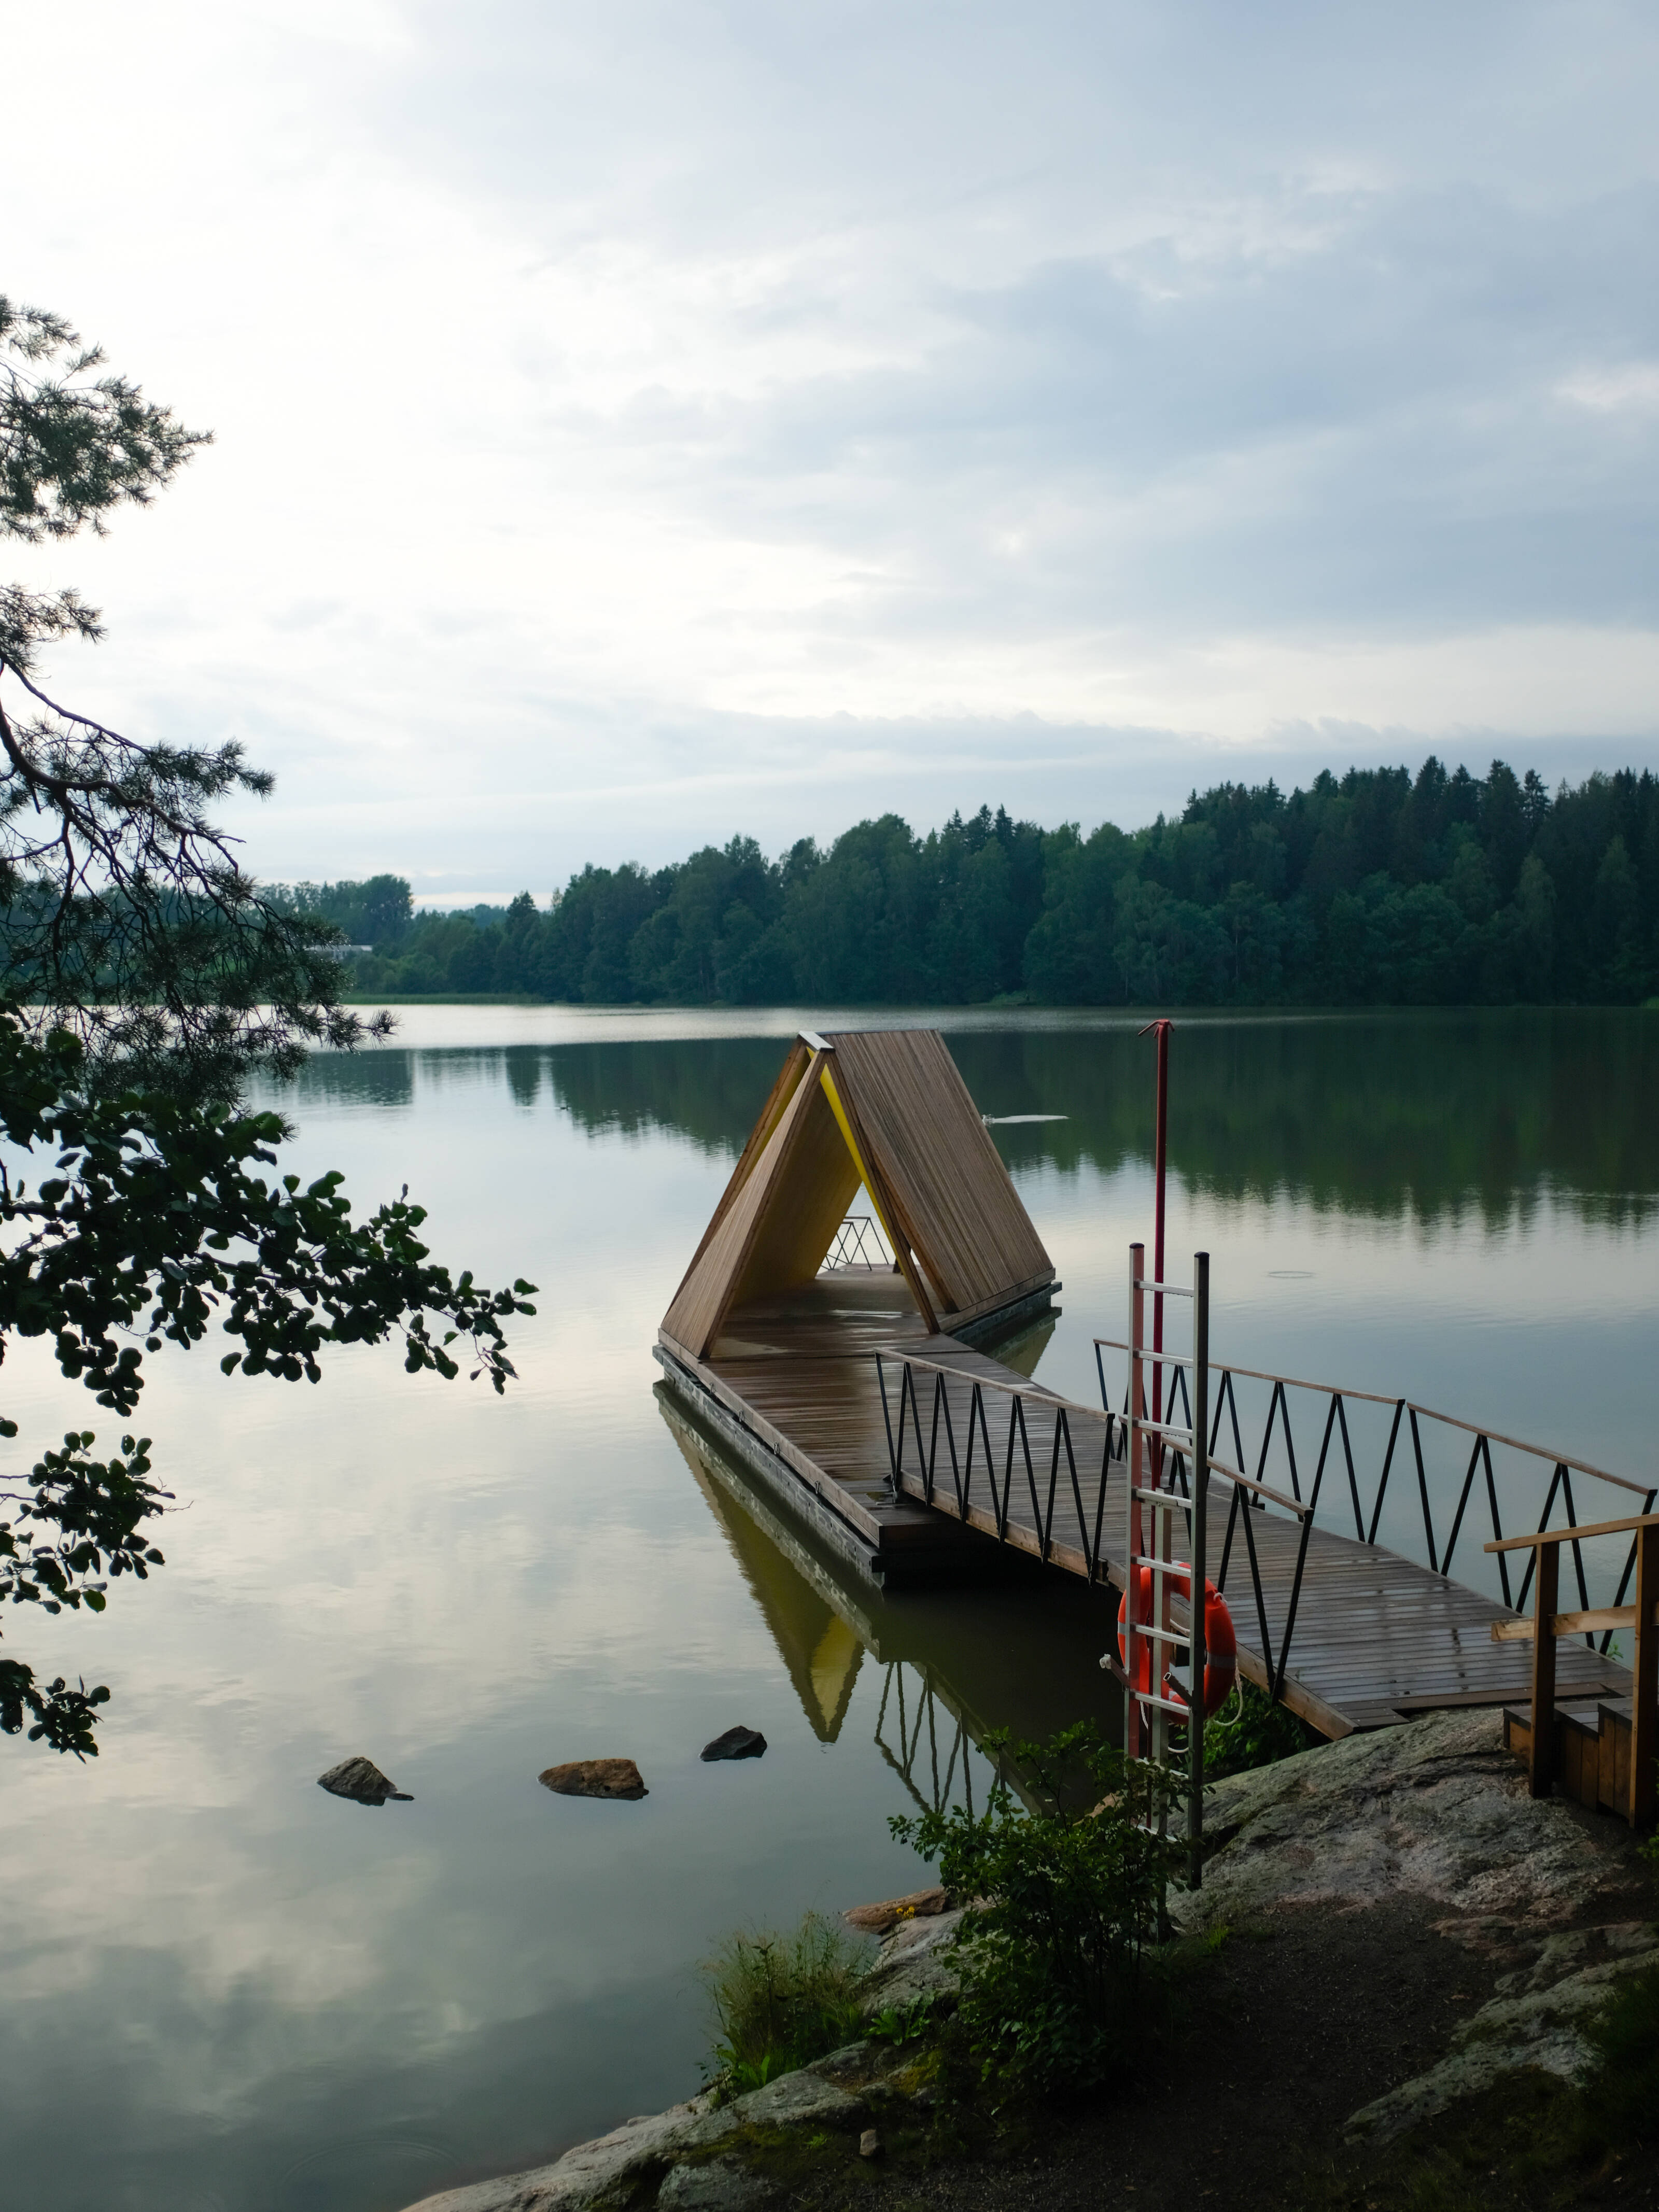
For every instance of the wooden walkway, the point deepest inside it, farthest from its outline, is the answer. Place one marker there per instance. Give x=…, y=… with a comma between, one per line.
x=1377, y=1636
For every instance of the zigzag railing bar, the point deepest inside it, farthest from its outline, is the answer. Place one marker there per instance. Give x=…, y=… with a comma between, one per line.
x=1497, y=1529
x=1475, y=1451
x=915, y=1417
x=1100, y=1497
x=1577, y=1548
x=1543, y=1523
x=1388, y=1462
x=1629, y=1569
x=1423, y=1493
x=1353, y=1480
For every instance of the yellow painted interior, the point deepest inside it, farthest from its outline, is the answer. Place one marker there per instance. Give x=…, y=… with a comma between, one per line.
x=834, y=1663
x=804, y=1209
x=828, y=1085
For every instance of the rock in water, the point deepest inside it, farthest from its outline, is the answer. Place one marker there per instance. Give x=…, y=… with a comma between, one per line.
x=361, y=1780
x=595, y=1778
x=736, y=1743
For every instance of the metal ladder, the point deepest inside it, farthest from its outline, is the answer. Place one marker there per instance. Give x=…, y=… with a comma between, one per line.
x=1158, y=1453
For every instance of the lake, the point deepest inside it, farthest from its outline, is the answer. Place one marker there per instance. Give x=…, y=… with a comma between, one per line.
x=226, y=1989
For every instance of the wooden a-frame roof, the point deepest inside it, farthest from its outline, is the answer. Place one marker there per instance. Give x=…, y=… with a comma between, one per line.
x=886, y=1108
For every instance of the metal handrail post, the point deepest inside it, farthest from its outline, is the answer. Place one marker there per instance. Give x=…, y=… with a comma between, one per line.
x=1199, y=1550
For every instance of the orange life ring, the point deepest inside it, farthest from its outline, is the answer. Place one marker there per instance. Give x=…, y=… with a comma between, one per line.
x=1220, y=1644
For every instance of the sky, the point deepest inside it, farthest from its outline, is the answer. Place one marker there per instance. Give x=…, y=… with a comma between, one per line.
x=641, y=422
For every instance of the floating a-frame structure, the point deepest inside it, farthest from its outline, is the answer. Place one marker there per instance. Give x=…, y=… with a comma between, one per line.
x=774, y=1348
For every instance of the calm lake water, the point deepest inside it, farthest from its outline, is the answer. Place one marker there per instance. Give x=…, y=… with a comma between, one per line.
x=225, y=1989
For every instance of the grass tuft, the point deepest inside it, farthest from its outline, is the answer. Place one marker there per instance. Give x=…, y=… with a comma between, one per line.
x=782, y=2000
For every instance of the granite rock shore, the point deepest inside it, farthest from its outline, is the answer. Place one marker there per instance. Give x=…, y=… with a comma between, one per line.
x=1434, y=1812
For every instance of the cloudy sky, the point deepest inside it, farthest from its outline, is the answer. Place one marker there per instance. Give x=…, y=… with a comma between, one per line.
x=642, y=421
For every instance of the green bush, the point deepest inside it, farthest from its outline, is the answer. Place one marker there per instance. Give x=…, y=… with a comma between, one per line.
x=1250, y=1731
x=1057, y=1986
x=782, y=2000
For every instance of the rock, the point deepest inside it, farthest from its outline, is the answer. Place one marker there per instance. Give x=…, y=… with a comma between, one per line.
x=917, y=1959
x=877, y=1919
x=603, y=2172
x=361, y=1780
x=870, y=2144
x=1436, y=1808
x=1536, y=2019
x=796, y=2100
x=1437, y=1811
x=591, y=2170
x=595, y=1778
x=719, y=2186
x=736, y=1743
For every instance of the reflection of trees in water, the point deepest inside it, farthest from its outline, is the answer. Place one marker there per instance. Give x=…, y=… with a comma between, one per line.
x=708, y=1088
x=1386, y=1114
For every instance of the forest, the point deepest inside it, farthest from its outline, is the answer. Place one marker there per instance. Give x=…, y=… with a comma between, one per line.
x=1375, y=887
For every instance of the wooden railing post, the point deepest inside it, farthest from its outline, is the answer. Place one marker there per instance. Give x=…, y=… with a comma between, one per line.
x=1644, y=1688
x=1542, y=1768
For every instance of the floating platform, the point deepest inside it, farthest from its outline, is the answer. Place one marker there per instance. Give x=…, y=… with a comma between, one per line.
x=776, y=1353
x=791, y=1386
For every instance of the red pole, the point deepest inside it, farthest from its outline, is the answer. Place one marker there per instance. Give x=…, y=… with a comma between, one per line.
x=1159, y=1028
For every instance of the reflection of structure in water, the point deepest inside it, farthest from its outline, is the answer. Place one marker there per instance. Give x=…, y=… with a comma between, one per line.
x=915, y=1716
x=821, y=1651
x=1024, y=1655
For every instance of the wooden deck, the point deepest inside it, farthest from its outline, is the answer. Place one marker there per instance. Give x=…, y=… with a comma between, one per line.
x=1377, y=1636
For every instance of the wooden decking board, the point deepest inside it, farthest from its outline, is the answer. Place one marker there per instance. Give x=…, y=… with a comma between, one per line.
x=1374, y=1631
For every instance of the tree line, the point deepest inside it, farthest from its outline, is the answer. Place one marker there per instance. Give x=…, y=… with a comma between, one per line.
x=1375, y=887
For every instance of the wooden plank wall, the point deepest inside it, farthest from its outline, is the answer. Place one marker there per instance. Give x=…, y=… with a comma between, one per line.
x=956, y=1201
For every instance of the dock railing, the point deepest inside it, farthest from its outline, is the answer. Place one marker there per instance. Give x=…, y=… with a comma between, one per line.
x=1444, y=1489
x=859, y=1244
x=1032, y=1468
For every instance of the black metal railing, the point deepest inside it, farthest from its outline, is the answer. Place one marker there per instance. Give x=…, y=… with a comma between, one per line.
x=976, y=1447
x=1033, y=1469
x=1405, y=1419
x=1050, y=1475
x=859, y=1244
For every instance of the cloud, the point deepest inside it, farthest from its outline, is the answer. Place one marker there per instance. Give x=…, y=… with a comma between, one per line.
x=636, y=422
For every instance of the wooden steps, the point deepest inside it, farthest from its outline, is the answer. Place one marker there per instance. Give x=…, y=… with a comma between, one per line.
x=1592, y=1749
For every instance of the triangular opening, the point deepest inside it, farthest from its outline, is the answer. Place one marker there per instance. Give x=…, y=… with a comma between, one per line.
x=884, y=1112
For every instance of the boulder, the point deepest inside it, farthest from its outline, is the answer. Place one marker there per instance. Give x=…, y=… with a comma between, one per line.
x=877, y=1919
x=617, y=2168
x=736, y=1743
x=718, y=2187
x=1536, y=2019
x=361, y=1781
x=594, y=1777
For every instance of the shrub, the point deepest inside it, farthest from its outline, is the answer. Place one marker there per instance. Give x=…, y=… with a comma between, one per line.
x=1250, y=1731
x=1056, y=1983
x=782, y=2000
